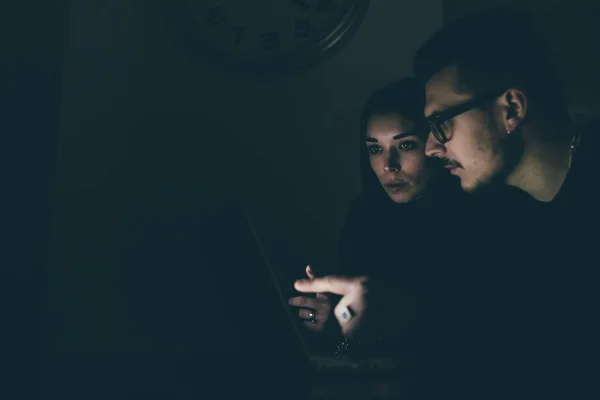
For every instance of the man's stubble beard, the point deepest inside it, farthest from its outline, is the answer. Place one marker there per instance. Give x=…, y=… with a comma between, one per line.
x=512, y=147
x=508, y=150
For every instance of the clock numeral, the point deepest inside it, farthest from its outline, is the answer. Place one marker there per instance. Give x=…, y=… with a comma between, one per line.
x=269, y=40
x=216, y=15
x=302, y=4
x=302, y=28
x=239, y=32
x=324, y=5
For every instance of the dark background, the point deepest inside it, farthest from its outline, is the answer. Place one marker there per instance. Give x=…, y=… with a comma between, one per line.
x=141, y=124
x=33, y=35
x=96, y=93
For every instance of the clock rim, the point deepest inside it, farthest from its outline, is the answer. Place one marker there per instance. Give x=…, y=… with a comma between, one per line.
x=183, y=32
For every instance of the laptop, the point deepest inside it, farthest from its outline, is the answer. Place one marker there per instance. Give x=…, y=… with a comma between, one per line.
x=203, y=312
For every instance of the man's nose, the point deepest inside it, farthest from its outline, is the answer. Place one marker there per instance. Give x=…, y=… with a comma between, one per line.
x=433, y=148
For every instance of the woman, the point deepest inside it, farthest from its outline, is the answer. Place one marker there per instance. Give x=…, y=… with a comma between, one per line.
x=386, y=229
x=400, y=183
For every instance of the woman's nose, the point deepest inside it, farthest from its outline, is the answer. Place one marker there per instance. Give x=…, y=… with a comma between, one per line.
x=392, y=164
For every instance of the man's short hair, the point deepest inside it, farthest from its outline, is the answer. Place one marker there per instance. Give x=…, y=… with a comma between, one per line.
x=494, y=50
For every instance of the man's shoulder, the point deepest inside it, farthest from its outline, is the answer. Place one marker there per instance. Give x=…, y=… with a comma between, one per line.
x=579, y=196
x=502, y=196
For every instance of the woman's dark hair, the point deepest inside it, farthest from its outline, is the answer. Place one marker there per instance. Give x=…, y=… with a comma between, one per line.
x=405, y=97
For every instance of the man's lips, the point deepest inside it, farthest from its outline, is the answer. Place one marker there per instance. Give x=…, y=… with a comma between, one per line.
x=451, y=165
x=452, y=168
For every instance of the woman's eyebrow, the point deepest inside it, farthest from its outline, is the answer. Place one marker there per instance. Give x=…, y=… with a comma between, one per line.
x=405, y=134
x=397, y=137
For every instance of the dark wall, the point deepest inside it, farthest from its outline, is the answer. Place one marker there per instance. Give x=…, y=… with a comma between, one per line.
x=33, y=41
x=143, y=126
x=573, y=31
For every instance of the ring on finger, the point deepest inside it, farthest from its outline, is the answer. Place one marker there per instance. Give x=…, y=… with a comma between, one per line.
x=344, y=314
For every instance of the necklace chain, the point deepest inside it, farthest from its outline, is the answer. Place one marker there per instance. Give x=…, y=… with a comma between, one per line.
x=573, y=148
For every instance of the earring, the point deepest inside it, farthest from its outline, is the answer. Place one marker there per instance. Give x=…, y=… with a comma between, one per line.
x=508, y=132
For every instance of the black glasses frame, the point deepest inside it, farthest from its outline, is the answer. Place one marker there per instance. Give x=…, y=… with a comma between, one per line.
x=436, y=121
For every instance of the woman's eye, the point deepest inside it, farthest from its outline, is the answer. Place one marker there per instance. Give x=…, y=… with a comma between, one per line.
x=408, y=145
x=374, y=150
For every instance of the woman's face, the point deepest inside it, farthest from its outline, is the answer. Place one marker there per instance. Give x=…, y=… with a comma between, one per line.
x=397, y=156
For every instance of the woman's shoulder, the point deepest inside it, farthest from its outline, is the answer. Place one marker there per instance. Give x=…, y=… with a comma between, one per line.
x=356, y=213
x=362, y=213
x=359, y=204
x=445, y=191
x=365, y=206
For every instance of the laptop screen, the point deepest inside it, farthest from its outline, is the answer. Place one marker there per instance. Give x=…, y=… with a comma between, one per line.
x=201, y=291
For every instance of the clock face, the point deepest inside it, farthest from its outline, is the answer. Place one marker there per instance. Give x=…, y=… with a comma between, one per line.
x=266, y=37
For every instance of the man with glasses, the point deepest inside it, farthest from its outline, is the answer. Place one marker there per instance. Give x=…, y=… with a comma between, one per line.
x=495, y=105
x=517, y=315
x=498, y=115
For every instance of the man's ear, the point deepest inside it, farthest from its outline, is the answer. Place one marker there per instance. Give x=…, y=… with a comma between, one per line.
x=515, y=106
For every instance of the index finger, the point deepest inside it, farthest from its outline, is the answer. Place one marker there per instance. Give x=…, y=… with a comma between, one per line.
x=310, y=275
x=330, y=284
x=309, y=272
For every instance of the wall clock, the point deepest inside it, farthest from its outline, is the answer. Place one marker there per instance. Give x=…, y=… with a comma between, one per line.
x=264, y=38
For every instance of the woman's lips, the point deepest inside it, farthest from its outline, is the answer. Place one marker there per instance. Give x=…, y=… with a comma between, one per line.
x=396, y=186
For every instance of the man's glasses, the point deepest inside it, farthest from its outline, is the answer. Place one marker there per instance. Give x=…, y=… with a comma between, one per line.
x=438, y=121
